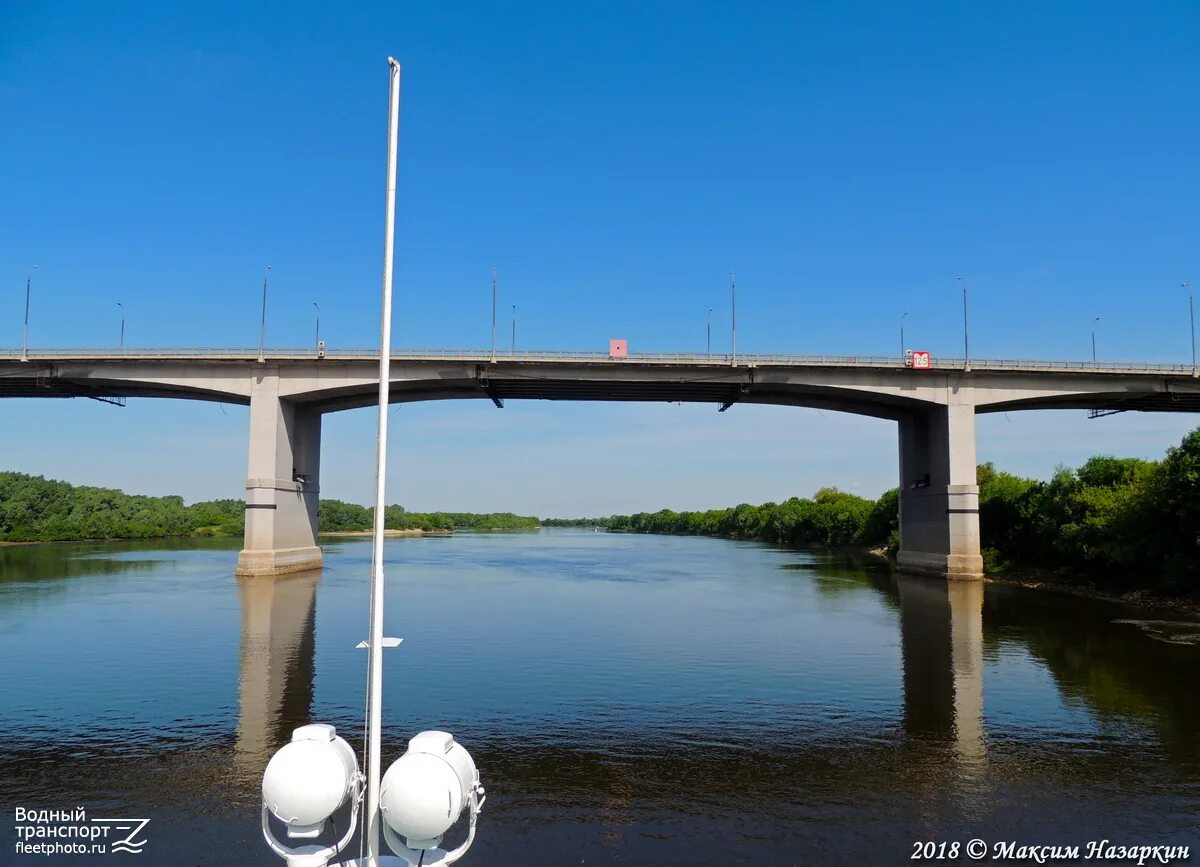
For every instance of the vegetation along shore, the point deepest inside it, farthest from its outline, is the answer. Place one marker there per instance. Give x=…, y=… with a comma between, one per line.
x=35, y=509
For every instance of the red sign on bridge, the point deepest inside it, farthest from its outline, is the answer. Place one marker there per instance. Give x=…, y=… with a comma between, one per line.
x=917, y=360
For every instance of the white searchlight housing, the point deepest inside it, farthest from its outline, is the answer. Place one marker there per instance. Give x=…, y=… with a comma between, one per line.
x=304, y=784
x=424, y=793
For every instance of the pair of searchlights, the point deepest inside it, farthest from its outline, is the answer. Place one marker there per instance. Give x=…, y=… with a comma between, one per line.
x=422, y=796
x=427, y=789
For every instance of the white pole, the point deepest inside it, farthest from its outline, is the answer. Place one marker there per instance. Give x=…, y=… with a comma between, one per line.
x=733, y=315
x=25, y=332
x=375, y=650
x=262, y=326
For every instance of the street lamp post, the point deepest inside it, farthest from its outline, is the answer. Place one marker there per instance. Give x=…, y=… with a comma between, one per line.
x=902, y=335
x=1192, y=317
x=25, y=331
x=262, y=325
x=1094, y=321
x=122, y=306
x=493, y=313
x=709, y=344
x=514, y=329
x=966, y=342
x=317, y=307
x=733, y=317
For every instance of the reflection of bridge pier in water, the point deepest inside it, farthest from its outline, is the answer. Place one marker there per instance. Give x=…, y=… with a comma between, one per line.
x=941, y=637
x=276, y=666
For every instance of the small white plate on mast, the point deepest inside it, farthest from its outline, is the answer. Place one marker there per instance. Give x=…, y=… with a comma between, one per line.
x=386, y=642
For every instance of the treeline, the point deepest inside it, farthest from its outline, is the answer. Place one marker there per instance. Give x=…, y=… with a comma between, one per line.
x=336, y=516
x=831, y=517
x=575, y=522
x=1124, y=523
x=35, y=509
x=1119, y=523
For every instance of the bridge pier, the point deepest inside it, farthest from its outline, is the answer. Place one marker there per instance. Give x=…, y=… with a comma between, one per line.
x=939, y=491
x=282, y=485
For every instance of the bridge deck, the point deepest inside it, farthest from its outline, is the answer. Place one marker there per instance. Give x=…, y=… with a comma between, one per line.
x=752, y=359
x=878, y=385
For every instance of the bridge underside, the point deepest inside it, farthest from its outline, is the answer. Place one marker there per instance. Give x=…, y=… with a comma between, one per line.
x=50, y=383
x=1106, y=404
x=51, y=386
x=722, y=392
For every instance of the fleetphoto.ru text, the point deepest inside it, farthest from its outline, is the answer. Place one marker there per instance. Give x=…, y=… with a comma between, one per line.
x=72, y=832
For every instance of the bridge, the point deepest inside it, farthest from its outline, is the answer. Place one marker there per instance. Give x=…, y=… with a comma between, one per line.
x=289, y=391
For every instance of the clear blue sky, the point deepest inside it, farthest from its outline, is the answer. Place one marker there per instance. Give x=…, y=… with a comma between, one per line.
x=613, y=161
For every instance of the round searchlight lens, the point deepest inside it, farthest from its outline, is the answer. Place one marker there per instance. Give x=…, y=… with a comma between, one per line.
x=420, y=797
x=308, y=779
x=425, y=791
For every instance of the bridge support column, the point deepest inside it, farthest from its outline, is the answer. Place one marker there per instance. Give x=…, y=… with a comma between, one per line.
x=939, y=492
x=282, y=485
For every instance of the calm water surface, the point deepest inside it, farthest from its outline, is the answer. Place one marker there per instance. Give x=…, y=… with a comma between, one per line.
x=628, y=699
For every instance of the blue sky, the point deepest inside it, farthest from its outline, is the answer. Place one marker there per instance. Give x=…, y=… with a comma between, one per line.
x=613, y=161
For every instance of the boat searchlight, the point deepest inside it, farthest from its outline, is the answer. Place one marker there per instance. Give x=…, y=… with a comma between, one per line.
x=305, y=783
x=424, y=792
x=422, y=796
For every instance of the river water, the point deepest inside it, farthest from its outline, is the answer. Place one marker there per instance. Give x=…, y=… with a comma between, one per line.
x=628, y=699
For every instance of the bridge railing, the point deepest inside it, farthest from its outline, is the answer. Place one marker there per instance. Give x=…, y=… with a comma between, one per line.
x=747, y=359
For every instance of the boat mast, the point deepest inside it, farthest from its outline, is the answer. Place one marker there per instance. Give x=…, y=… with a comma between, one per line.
x=375, y=640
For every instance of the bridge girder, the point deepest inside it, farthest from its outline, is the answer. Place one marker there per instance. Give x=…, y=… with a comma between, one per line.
x=880, y=390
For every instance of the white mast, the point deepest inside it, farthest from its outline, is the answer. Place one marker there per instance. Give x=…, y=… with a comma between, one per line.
x=375, y=641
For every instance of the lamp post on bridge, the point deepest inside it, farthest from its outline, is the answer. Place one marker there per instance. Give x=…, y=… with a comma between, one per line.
x=514, y=329
x=262, y=326
x=317, y=307
x=1192, y=317
x=122, y=306
x=25, y=331
x=902, y=334
x=493, y=313
x=1094, y=321
x=733, y=317
x=966, y=343
x=709, y=343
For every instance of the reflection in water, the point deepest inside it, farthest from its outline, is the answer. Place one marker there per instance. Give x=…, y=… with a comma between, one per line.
x=28, y=563
x=941, y=637
x=966, y=650
x=276, y=665
x=1125, y=670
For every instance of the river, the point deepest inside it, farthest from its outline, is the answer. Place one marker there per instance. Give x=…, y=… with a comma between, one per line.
x=628, y=699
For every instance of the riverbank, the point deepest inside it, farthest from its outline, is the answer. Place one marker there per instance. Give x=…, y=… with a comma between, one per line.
x=1056, y=584
x=1066, y=585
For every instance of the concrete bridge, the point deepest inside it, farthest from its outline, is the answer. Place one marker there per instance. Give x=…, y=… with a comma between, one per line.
x=288, y=392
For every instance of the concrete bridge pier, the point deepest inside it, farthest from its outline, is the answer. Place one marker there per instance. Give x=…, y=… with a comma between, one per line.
x=282, y=485
x=939, y=491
